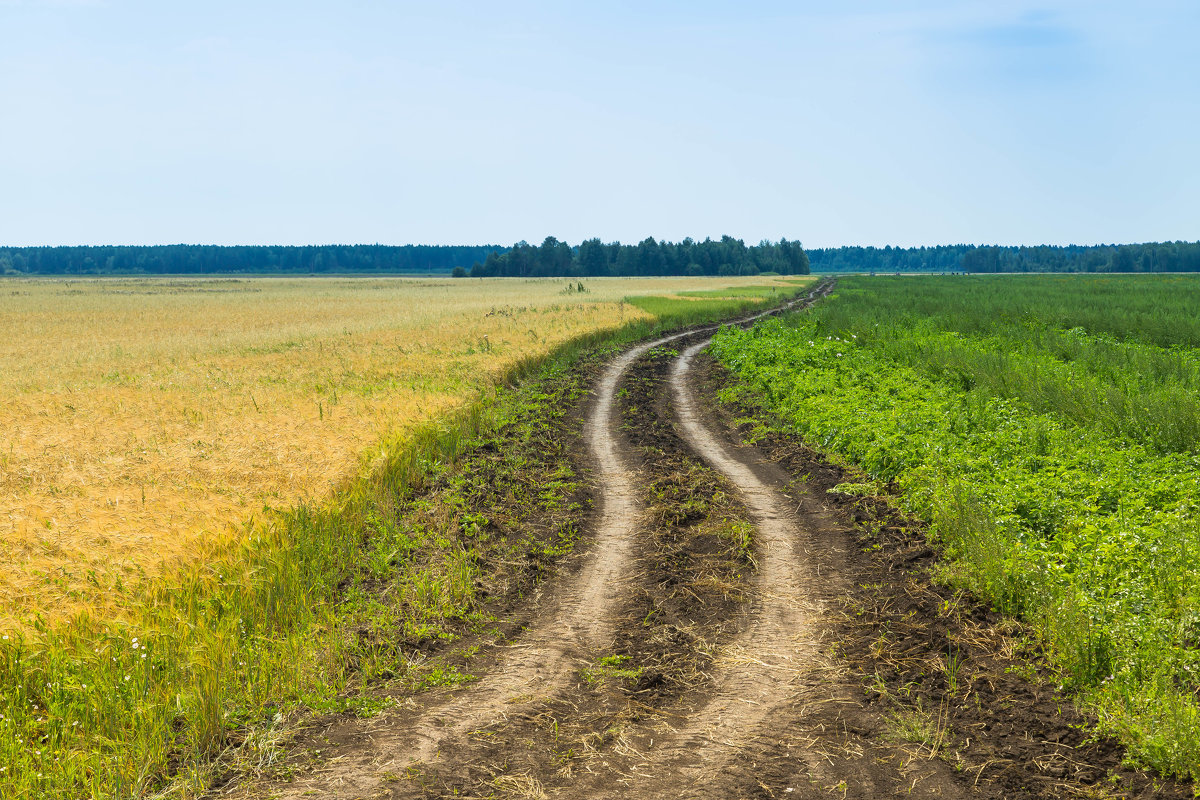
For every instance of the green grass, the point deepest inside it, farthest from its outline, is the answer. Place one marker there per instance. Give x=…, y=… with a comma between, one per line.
x=1058, y=463
x=677, y=312
x=315, y=606
x=610, y=669
x=1154, y=309
x=760, y=292
x=1020, y=339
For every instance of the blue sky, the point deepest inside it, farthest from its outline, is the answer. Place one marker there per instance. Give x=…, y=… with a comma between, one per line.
x=842, y=122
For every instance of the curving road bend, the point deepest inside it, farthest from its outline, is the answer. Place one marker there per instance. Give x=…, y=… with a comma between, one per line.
x=578, y=617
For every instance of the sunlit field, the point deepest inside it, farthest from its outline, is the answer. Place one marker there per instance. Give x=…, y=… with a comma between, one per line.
x=146, y=420
x=1048, y=428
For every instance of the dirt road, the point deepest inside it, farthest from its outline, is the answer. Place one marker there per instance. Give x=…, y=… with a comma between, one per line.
x=729, y=629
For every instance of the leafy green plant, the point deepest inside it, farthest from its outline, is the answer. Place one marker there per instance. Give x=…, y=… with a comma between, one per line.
x=1057, y=472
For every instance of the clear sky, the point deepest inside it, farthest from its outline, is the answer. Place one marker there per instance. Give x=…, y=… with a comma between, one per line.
x=899, y=122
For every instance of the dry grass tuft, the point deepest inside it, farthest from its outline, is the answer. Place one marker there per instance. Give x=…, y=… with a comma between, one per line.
x=521, y=785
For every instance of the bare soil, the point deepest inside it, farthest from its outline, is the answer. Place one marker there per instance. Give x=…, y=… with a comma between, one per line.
x=686, y=599
x=727, y=628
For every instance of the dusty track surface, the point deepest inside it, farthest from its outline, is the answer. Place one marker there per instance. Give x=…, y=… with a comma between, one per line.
x=677, y=658
x=759, y=670
x=775, y=690
x=573, y=618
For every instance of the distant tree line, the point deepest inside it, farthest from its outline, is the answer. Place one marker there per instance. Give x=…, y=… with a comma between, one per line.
x=1149, y=257
x=942, y=258
x=728, y=256
x=193, y=259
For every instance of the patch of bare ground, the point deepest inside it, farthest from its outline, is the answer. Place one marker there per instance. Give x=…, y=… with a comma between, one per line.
x=689, y=599
x=777, y=693
x=643, y=642
x=517, y=503
x=922, y=677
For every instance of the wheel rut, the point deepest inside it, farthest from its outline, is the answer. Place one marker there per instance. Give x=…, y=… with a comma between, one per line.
x=576, y=618
x=760, y=669
x=775, y=683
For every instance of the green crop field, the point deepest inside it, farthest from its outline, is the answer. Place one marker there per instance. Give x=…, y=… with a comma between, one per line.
x=1049, y=429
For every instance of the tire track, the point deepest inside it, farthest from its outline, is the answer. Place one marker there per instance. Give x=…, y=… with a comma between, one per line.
x=777, y=666
x=589, y=614
x=781, y=644
x=579, y=618
x=760, y=668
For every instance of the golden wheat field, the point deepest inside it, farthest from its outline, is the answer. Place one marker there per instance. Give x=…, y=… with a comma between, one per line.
x=147, y=420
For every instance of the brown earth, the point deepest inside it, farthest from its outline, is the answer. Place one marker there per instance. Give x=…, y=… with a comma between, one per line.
x=728, y=628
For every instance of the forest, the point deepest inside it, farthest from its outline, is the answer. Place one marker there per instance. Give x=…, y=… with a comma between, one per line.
x=593, y=257
x=1148, y=257
x=727, y=256
x=192, y=259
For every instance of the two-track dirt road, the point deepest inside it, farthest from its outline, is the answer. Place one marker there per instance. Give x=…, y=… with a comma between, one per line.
x=660, y=665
